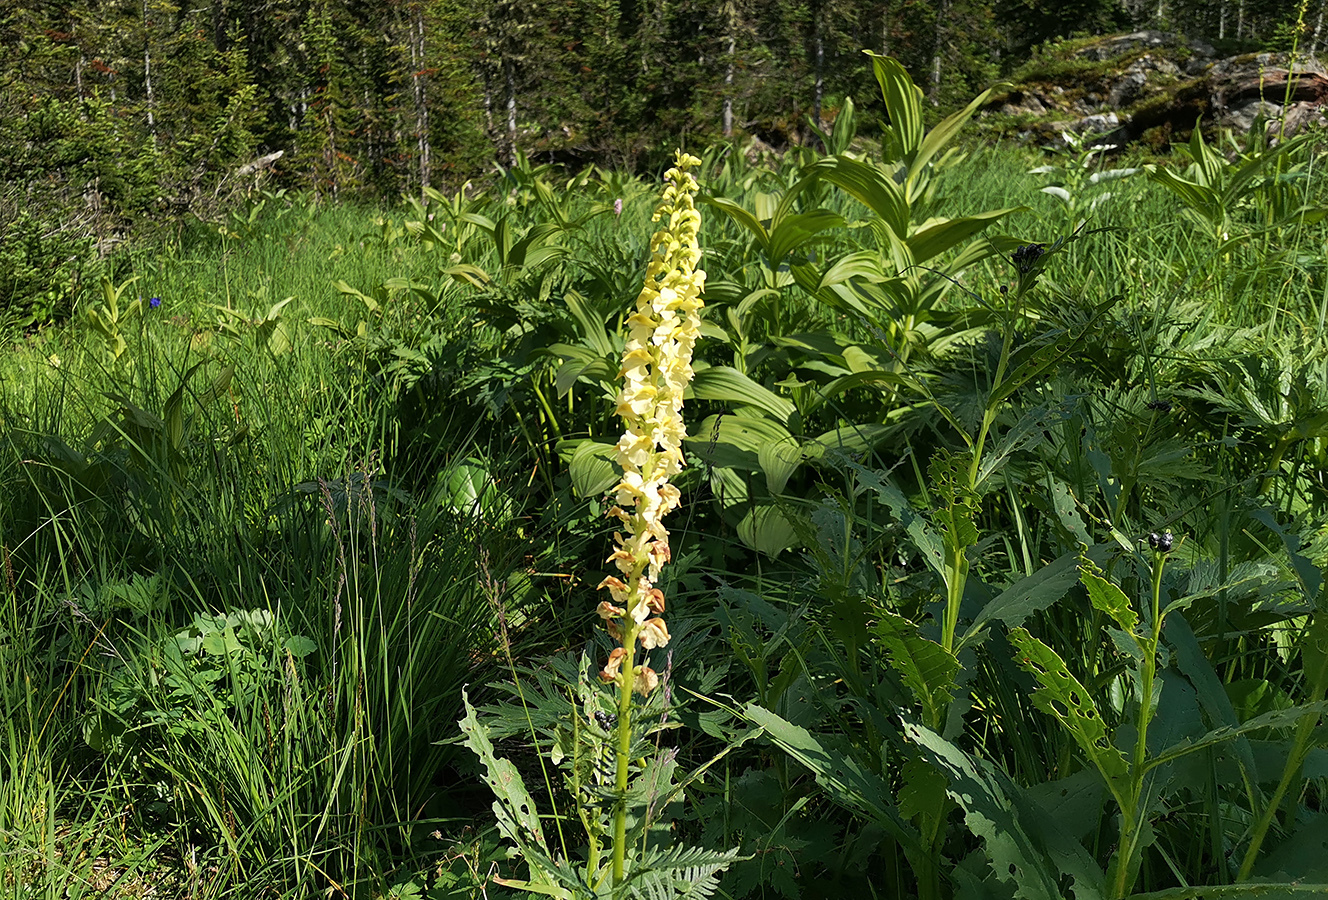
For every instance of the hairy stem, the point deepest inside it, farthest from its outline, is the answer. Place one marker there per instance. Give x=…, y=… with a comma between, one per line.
x=628, y=681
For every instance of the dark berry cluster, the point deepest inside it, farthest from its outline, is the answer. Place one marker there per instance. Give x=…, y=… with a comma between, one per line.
x=607, y=721
x=1027, y=255
x=1162, y=542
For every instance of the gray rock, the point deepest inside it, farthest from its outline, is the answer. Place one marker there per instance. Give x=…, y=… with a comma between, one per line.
x=1097, y=124
x=1121, y=44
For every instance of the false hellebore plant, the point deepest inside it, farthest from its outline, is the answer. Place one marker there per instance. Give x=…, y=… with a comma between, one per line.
x=596, y=732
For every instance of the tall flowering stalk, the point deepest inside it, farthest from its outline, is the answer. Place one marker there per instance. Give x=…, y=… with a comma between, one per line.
x=656, y=367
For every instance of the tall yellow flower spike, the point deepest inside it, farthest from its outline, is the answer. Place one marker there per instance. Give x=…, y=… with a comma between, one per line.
x=656, y=367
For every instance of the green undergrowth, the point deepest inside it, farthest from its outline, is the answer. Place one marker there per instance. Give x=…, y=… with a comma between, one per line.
x=257, y=537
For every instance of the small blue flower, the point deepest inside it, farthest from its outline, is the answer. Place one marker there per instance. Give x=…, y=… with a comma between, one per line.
x=154, y=302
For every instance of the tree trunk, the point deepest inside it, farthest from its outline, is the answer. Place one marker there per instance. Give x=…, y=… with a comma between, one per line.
x=509, y=71
x=1318, y=30
x=149, y=99
x=818, y=40
x=942, y=13
x=726, y=117
x=421, y=96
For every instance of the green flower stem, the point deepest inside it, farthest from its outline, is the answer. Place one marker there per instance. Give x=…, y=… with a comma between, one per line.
x=1300, y=748
x=1132, y=813
x=628, y=682
x=1317, y=678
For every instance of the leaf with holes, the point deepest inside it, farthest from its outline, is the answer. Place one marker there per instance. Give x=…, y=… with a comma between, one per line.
x=517, y=816
x=1061, y=696
x=1106, y=596
x=927, y=668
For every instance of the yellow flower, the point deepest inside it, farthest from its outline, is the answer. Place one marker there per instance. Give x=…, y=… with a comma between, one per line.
x=646, y=680
x=656, y=368
x=614, y=665
x=654, y=633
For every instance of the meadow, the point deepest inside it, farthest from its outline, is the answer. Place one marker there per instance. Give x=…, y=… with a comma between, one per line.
x=999, y=570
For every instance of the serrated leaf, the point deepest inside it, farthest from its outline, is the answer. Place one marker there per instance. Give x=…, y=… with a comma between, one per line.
x=1277, y=719
x=1107, y=597
x=926, y=668
x=1061, y=696
x=518, y=818
x=1029, y=595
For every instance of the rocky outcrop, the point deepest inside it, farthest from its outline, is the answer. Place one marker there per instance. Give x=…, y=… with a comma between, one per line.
x=1154, y=86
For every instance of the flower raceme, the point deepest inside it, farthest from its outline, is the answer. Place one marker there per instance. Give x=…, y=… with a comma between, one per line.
x=656, y=368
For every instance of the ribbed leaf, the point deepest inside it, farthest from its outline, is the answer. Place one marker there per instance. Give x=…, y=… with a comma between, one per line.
x=870, y=186
x=939, y=235
x=728, y=385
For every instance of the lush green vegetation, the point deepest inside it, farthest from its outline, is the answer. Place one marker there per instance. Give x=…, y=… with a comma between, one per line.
x=120, y=119
x=999, y=571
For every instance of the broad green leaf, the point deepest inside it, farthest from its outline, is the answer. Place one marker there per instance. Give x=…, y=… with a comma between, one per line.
x=299, y=646
x=921, y=790
x=728, y=385
x=594, y=468
x=843, y=779
x=743, y=218
x=903, y=104
x=735, y=442
x=593, y=332
x=855, y=439
x=945, y=131
x=936, y=236
x=1302, y=855
x=768, y=528
x=1074, y=803
x=797, y=230
x=1061, y=696
x=865, y=264
x=780, y=459
x=870, y=186
x=1026, y=851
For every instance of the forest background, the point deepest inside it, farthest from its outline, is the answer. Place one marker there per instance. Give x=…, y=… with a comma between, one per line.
x=128, y=117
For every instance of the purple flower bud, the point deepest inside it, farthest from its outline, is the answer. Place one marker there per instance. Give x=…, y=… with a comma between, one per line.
x=617, y=207
x=154, y=302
